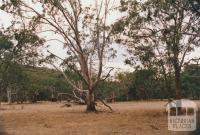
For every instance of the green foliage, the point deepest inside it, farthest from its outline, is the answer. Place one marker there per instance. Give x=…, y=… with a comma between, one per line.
x=145, y=84
x=12, y=77
x=142, y=84
x=159, y=33
x=16, y=50
x=118, y=26
x=43, y=80
x=15, y=2
x=195, y=6
x=5, y=44
x=107, y=89
x=191, y=80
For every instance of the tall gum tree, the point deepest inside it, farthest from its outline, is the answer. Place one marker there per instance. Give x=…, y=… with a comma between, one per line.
x=82, y=30
x=168, y=27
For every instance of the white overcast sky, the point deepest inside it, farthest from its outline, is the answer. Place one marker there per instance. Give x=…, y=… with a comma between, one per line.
x=57, y=47
x=118, y=62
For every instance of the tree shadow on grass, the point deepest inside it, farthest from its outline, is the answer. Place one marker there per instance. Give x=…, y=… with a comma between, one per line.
x=2, y=132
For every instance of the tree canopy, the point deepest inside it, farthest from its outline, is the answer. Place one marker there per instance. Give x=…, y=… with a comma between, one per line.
x=159, y=33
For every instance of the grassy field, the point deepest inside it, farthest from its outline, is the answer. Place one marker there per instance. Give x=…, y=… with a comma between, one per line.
x=128, y=118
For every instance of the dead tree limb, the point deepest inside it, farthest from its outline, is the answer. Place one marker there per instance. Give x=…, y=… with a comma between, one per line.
x=80, y=99
x=109, y=107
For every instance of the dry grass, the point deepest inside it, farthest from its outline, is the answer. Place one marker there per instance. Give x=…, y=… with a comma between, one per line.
x=129, y=118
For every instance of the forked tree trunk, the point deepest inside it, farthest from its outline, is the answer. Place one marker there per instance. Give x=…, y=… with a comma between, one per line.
x=91, y=102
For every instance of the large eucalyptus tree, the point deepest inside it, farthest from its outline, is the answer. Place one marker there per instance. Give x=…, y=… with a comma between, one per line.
x=160, y=33
x=82, y=30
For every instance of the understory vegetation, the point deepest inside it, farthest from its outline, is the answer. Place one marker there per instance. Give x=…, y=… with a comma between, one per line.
x=42, y=84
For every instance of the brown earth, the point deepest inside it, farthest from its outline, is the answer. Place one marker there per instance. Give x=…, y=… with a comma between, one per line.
x=128, y=118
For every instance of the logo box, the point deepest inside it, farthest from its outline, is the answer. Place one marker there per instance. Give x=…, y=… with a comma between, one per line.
x=182, y=115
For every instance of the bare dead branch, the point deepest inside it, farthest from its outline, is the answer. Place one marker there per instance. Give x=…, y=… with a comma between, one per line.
x=110, y=108
x=67, y=79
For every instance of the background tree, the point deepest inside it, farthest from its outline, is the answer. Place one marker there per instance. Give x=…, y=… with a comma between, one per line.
x=125, y=82
x=11, y=75
x=191, y=79
x=18, y=47
x=194, y=6
x=167, y=27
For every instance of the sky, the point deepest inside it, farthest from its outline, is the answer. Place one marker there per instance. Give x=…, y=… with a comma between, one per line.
x=57, y=48
x=118, y=62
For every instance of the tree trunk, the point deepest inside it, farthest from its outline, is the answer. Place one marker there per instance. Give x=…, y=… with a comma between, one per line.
x=9, y=96
x=0, y=98
x=178, y=89
x=178, y=84
x=91, y=102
